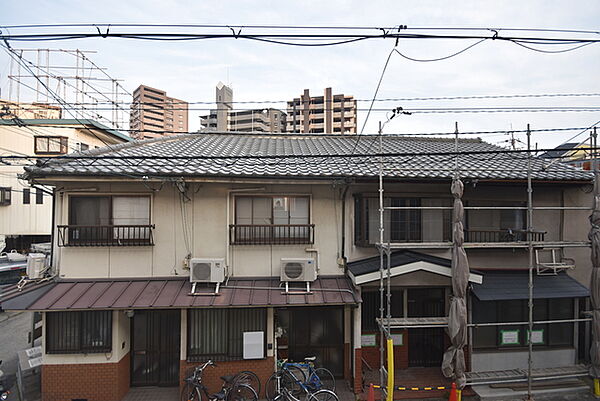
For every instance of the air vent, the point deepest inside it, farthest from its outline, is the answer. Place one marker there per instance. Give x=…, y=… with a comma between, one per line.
x=293, y=270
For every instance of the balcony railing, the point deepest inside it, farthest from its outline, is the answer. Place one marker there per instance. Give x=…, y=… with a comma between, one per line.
x=271, y=234
x=105, y=235
x=502, y=236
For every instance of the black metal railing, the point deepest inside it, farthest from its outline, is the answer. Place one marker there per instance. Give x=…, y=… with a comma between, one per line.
x=105, y=235
x=502, y=235
x=271, y=234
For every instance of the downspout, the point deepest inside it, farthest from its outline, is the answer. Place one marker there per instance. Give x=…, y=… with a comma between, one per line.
x=53, y=227
x=343, y=245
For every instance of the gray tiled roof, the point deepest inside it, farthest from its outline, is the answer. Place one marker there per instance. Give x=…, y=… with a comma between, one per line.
x=305, y=156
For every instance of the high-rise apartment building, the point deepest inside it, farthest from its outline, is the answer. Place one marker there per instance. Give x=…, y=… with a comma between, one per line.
x=225, y=118
x=322, y=114
x=154, y=114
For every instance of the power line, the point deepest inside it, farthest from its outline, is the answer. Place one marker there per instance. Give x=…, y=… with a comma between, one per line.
x=399, y=99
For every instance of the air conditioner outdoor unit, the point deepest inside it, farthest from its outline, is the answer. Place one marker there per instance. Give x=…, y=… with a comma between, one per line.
x=298, y=269
x=36, y=263
x=208, y=270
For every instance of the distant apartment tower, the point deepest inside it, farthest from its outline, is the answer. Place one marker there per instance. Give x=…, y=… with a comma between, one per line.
x=225, y=118
x=154, y=114
x=322, y=114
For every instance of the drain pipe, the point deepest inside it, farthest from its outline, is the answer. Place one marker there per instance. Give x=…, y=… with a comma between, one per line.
x=343, y=245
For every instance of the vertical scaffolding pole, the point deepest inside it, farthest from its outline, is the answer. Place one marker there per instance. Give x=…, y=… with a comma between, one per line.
x=381, y=288
x=530, y=249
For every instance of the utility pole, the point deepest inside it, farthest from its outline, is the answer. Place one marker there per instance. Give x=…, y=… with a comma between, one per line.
x=530, y=249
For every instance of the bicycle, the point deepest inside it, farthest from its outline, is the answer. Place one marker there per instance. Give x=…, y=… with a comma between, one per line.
x=291, y=376
x=232, y=389
x=276, y=391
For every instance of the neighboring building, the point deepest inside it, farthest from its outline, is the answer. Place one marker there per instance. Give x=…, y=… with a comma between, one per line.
x=121, y=311
x=154, y=114
x=28, y=111
x=572, y=153
x=225, y=118
x=25, y=210
x=322, y=114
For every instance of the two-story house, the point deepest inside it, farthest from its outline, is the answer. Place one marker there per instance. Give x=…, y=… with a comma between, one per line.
x=26, y=209
x=167, y=252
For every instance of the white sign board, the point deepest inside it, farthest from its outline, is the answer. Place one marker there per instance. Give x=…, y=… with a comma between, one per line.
x=509, y=337
x=398, y=339
x=368, y=340
x=254, y=347
x=537, y=337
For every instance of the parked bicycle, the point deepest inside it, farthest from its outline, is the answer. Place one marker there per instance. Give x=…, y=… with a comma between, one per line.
x=276, y=390
x=235, y=387
x=292, y=377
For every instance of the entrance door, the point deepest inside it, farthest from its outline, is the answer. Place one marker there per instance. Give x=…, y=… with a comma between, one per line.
x=155, y=339
x=425, y=346
x=319, y=332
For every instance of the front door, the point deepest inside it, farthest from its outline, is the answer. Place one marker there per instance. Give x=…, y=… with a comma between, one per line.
x=317, y=331
x=155, y=339
x=425, y=346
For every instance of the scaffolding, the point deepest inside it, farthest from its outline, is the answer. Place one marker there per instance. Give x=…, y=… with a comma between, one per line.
x=532, y=243
x=72, y=76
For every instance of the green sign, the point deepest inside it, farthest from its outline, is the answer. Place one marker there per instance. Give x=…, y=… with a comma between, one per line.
x=537, y=337
x=509, y=337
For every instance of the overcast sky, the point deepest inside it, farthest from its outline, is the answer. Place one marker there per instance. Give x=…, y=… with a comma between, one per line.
x=260, y=71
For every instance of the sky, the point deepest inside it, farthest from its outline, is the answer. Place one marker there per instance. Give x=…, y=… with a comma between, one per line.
x=190, y=70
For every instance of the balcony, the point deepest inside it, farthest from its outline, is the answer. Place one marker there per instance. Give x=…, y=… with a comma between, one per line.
x=106, y=235
x=507, y=235
x=271, y=234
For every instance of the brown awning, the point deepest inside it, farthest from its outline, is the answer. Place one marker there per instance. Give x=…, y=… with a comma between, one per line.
x=175, y=292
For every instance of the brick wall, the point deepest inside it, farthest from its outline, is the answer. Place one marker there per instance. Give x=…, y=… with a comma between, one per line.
x=371, y=354
x=94, y=382
x=263, y=368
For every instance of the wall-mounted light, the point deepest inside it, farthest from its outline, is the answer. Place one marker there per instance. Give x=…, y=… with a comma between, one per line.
x=129, y=313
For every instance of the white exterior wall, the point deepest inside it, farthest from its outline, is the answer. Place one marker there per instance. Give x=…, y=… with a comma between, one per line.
x=34, y=219
x=211, y=210
x=208, y=220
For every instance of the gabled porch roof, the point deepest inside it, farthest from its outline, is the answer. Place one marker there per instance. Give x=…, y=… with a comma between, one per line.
x=403, y=262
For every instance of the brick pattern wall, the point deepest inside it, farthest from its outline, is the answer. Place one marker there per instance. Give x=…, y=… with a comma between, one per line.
x=263, y=368
x=94, y=382
x=371, y=354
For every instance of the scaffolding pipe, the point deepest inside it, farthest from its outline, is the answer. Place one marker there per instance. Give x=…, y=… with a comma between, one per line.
x=530, y=251
x=583, y=208
x=381, y=228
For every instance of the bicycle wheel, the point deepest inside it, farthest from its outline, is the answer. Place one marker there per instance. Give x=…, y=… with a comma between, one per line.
x=292, y=379
x=322, y=395
x=272, y=386
x=321, y=378
x=189, y=393
x=243, y=392
x=249, y=378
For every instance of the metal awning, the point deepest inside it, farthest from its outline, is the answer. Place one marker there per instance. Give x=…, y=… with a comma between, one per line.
x=505, y=285
x=402, y=262
x=175, y=292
